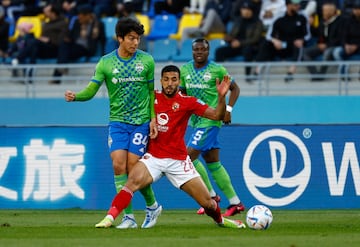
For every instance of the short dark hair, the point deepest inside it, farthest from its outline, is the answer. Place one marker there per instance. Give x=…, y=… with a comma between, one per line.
x=170, y=68
x=126, y=25
x=201, y=40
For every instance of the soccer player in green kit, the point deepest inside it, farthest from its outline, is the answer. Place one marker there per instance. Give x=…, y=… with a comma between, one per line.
x=128, y=74
x=198, y=78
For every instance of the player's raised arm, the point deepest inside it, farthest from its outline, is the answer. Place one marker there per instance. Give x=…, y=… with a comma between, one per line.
x=219, y=112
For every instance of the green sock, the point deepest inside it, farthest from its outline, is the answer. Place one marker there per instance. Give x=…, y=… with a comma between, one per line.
x=148, y=195
x=203, y=173
x=120, y=181
x=222, y=179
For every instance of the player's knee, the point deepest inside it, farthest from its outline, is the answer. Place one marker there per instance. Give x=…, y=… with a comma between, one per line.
x=119, y=167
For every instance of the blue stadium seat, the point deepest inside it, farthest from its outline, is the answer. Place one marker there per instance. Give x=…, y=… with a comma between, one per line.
x=185, y=51
x=162, y=27
x=109, y=29
x=12, y=26
x=214, y=44
x=164, y=49
x=151, y=11
x=109, y=26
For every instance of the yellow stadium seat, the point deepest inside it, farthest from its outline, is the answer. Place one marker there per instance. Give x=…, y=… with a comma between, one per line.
x=211, y=36
x=36, y=29
x=145, y=20
x=187, y=20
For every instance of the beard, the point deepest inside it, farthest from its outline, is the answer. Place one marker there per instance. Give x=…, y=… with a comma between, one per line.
x=169, y=91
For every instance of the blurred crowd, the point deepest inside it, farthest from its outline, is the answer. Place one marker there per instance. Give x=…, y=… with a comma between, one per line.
x=257, y=30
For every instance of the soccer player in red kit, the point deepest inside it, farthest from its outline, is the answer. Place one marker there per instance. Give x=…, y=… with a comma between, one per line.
x=167, y=154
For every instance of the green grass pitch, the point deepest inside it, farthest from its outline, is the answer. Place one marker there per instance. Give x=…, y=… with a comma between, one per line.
x=75, y=227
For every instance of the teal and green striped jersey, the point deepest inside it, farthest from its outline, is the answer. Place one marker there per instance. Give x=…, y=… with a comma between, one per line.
x=129, y=84
x=201, y=83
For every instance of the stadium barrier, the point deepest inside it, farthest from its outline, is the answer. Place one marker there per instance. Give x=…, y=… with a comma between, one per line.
x=341, y=79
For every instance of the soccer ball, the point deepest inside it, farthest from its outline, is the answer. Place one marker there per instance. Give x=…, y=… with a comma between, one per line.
x=259, y=217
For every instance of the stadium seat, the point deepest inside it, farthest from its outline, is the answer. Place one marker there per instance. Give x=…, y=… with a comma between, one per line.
x=109, y=26
x=164, y=49
x=214, y=44
x=186, y=20
x=185, y=52
x=36, y=29
x=211, y=36
x=151, y=11
x=163, y=26
x=109, y=29
x=12, y=24
x=145, y=20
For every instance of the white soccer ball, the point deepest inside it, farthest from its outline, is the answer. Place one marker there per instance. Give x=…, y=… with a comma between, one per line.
x=259, y=217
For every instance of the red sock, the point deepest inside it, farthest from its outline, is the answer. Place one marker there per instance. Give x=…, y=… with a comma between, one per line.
x=120, y=202
x=215, y=214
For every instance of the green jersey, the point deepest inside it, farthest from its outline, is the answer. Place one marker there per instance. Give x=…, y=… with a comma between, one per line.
x=201, y=83
x=130, y=84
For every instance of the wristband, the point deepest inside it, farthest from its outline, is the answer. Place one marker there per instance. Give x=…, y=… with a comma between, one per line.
x=229, y=108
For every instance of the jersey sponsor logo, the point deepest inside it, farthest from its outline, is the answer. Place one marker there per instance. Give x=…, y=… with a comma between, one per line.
x=200, y=86
x=115, y=71
x=287, y=171
x=127, y=79
x=162, y=119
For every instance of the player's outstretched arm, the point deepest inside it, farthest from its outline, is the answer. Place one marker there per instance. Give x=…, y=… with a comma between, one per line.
x=224, y=86
x=86, y=94
x=219, y=112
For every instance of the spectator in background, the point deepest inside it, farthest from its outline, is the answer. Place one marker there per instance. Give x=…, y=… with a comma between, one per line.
x=175, y=7
x=137, y=5
x=330, y=33
x=216, y=16
x=82, y=40
x=308, y=7
x=126, y=9
x=196, y=6
x=103, y=7
x=69, y=7
x=286, y=38
x=244, y=37
x=17, y=8
x=25, y=37
x=47, y=45
x=270, y=10
x=22, y=41
x=4, y=35
x=350, y=44
x=346, y=8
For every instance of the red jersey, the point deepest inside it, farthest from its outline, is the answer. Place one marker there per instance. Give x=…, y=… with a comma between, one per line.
x=172, y=115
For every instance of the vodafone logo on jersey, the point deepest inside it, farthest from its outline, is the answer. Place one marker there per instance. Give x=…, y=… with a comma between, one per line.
x=288, y=169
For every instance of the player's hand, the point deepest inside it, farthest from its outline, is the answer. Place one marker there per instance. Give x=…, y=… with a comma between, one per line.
x=224, y=86
x=69, y=95
x=153, y=129
x=227, y=118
